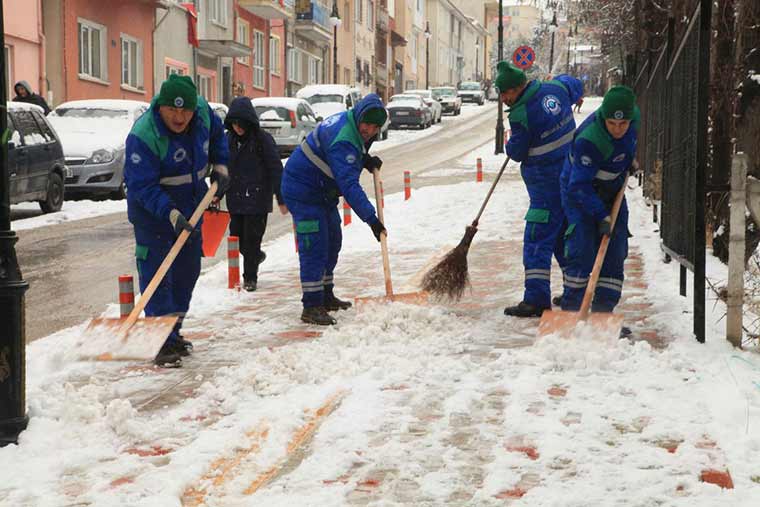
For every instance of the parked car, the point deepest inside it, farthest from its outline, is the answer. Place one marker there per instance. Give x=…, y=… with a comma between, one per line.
x=35, y=158
x=447, y=96
x=493, y=93
x=430, y=101
x=220, y=109
x=409, y=111
x=471, y=91
x=328, y=99
x=93, y=133
x=289, y=120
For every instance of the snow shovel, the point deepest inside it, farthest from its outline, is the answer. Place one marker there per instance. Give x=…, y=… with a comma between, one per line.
x=599, y=324
x=213, y=229
x=411, y=297
x=133, y=338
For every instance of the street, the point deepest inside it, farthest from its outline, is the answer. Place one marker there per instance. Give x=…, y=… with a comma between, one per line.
x=72, y=268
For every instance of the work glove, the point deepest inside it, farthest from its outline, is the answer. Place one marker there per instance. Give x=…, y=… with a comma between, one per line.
x=377, y=229
x=604, y=227
x=371, y=162
x=179, y=222
x=221, y=175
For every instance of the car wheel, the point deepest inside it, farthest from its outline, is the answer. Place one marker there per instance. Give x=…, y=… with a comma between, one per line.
x=54, y=197
x=120, y=193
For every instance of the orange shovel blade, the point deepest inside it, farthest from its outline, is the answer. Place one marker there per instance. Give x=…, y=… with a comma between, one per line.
x=103, y=341
x=569, y=324
x=411, y=298
x=213, y=229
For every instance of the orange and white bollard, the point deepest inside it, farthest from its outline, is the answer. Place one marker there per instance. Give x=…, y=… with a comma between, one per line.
x=233, y=262
x=479, y=174
x=126, y=295
x=382, y=196
x=346, y=213
x=407, y=185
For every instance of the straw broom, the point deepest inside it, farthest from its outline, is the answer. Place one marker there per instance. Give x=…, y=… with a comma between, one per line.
x=449, y=278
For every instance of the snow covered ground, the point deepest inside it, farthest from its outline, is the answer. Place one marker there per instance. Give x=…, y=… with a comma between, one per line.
x=398, y=404
x=70, y=211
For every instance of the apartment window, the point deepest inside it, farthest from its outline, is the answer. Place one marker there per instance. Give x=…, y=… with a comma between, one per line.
x=171, y=69
x=7, y=68
x=358, y=4
x=294, y=66
x=358, y=70
x=367, y=75
x=413, y=49
x=258, y=59
x=92, y=49
x=370, y=14
x=314, y=64
x=346, y=17
x=205, y=86
x=131, y=62
x=218, y=11
x=243, y=37
x=274, y=55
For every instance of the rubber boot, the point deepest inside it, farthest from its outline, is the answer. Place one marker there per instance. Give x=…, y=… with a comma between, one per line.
x=523, y=309
x=249, y=285
x=333, y=304
x=168, y=357
x=317, y=315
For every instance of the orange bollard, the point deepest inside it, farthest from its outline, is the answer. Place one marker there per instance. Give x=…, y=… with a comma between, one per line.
x=479, y=174
x=346, y=213
x=407, y=185
x=126, y=295
x=233, y=262
x=382, y=196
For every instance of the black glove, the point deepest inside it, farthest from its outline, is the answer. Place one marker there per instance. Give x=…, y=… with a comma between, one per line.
x=377, y=229
x=221, y=175
x=604, y=227
x=371, y=162
x=179, y=222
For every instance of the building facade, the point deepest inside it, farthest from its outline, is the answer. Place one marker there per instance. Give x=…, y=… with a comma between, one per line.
x=173, y=48
x=24, y=50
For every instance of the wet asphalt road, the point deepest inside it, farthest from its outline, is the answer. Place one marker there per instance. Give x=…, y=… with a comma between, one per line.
x=72, y=268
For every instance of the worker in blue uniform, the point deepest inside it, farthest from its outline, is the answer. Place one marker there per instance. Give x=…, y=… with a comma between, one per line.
x=326, y=165
x=542, y=123
x=167, y=154
x=603, y=151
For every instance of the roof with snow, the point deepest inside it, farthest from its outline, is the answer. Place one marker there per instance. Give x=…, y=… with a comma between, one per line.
x=116, y=104
x=323, y=89
x=24, y=106
x=288, y=102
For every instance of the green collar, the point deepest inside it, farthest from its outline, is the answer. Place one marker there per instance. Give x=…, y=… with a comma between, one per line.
x=529, y=91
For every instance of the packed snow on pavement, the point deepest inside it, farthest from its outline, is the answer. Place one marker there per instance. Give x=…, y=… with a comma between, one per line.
x=417, y=405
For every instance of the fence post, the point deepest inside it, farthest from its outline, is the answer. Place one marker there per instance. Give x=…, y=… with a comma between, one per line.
x=407, y=185
x=233, y=262
x=126, y=295
x=736, y=248
x=346, y=213
x=479, y=173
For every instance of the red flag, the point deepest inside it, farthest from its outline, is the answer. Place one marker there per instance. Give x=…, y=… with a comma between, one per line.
x=192, y=24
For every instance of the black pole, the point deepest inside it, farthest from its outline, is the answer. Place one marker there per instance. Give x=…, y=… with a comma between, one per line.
x=427, y=62
x=335, y=54
x=567, y=63
x=551, y=55
x=499, y=148
x=13, y=418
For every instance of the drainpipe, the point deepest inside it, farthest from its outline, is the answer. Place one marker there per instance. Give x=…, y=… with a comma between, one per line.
x=42, y=41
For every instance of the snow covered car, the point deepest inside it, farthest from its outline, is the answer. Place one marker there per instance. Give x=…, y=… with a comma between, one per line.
x=471, y=91
x=430, y=101
x=447, y=96
x=35, y=158
x=328, y=99
x=409, y=111
x=289, y=120
x=93, y=134
x=220, y=109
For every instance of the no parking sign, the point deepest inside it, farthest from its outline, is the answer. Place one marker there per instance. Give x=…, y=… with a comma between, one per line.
x=523, y=57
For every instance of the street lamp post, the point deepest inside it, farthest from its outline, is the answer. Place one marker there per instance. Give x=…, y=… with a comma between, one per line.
x=552, y=29
x=335, y=22
x=427, y=35
x=477, y=57
x=499, y=144
x=13, y=418
x=569, y=41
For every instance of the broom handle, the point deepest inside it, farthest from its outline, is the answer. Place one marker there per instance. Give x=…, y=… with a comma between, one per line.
x=493, y=185
x=166, y=264
x=383, y=237
x=597, y=269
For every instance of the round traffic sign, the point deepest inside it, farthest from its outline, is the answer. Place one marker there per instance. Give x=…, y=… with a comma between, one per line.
x=524, y=57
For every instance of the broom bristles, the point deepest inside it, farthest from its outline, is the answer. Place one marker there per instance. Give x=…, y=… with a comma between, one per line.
x=449, y=278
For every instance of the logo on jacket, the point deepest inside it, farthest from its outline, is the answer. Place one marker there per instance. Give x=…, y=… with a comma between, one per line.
x=350, y=158
x=205, y=147
x=135, y=158
x=180, y=155
x=586, y=160
x=179, y=102
x=618, y=115
x=619, y=158
x=552, y=105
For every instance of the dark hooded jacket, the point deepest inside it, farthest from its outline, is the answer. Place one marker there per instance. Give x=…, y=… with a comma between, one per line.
x=255, y=165
x=31, y=97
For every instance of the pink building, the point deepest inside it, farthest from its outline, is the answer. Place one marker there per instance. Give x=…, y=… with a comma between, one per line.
x=99, y=50
x=24, y=51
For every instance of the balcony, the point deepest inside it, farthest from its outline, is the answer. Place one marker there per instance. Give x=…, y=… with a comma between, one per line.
x=313, y=22
x=269, y=9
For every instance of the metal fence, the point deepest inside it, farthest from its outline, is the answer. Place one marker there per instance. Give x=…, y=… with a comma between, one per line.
x=673, y=93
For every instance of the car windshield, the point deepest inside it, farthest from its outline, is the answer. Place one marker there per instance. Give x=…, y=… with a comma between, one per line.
x=469, y=86
x=273, y=113
x=321, y=99
x=87, y=112
x=443, y=92
x=406, y=101
x=422, y=93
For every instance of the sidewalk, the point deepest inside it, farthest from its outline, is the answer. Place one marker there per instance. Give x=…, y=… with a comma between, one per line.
x=401, y=405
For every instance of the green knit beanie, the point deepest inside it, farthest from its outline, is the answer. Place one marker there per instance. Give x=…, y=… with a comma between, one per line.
x=178, y=91
x=508, y=76
x=619, y=103
x=375, y=116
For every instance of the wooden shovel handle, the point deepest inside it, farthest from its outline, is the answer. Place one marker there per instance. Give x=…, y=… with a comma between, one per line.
x=166, y=264
x=597, y=269
x=383, y=238
x=490, y=191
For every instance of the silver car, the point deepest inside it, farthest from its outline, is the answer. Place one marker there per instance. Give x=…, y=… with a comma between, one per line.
x=430, y=101
x=289, y=120
x=93, y=134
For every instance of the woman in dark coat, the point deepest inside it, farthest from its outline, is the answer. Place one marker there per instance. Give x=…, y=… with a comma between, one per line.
x=255, y=174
